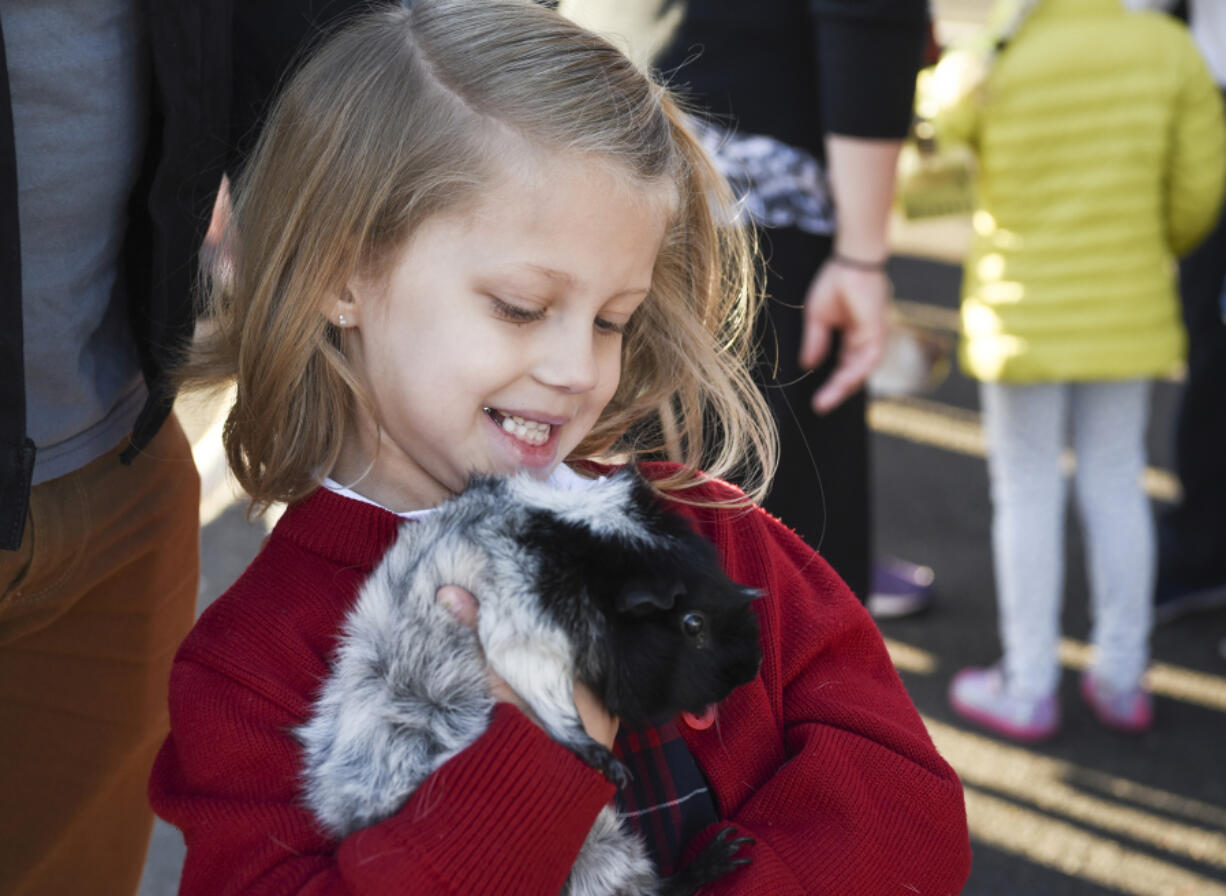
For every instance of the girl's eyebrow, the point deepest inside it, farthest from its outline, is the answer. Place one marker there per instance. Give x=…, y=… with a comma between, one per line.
x=568, y=279
x=552, y=273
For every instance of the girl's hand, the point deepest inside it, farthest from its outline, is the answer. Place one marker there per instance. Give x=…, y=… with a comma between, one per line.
x=599, y=725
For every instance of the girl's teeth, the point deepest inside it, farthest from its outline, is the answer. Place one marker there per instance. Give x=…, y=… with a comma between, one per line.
x=529, y=431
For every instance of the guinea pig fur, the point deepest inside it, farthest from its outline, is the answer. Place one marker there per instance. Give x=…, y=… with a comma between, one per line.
x=600, y=583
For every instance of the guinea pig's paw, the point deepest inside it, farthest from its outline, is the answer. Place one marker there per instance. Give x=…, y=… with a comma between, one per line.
x=719, y=857
x=601, y=759
x=618, y=773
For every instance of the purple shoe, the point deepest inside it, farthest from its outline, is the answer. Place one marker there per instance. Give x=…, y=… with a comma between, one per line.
x=979, y=694
x=899, y=589
x=1131, y=709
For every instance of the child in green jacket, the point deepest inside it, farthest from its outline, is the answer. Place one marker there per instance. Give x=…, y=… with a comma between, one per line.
x=1099, y=139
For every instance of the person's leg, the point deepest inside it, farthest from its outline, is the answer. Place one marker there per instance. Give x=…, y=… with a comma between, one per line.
x=1109, y=438
x=1192, y=534
x=1025, y=427
x=822, y=486
x=93, y=609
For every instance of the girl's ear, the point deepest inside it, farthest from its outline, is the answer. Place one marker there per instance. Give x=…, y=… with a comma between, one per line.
x=344, y=311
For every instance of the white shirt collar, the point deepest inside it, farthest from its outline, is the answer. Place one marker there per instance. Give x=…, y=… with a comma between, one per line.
x=563, y=477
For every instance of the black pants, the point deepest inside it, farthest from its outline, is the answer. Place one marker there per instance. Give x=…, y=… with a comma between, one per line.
x=822, y=487
x=1192, y=535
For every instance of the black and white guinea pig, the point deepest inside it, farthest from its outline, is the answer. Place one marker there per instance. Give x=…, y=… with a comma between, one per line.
x=600, y=583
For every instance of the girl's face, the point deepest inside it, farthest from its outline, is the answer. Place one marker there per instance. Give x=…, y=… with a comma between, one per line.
x=494, y=343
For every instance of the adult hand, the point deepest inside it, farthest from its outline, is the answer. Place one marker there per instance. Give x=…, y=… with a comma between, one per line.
x=856, y=302
x=599, y=725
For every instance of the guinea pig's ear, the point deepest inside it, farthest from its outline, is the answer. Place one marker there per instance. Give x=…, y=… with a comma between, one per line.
x=749, y=595
x=639, y=600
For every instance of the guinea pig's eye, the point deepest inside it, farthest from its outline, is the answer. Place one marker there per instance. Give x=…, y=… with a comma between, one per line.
x=693, y=624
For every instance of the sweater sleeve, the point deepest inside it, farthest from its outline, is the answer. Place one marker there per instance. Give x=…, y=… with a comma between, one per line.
x=859, y=801
x=868, y=53
x=1197, y=170
x=506, y=815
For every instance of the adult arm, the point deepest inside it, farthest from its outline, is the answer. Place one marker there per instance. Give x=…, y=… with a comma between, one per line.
x=867, y=54
x=851, y=292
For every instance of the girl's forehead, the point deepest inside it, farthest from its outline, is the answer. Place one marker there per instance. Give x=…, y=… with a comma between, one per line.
x=558, y=191
x=519, y=163
x=565, y=219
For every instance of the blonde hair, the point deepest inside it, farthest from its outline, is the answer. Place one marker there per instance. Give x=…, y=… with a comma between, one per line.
x=397, y=118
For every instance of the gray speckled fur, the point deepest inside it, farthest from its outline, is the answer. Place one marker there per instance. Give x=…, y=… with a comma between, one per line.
x=408, y=688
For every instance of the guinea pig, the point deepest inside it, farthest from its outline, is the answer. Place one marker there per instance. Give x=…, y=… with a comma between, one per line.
x=600, y=583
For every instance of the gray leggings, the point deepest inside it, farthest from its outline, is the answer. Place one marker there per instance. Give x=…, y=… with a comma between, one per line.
x=1025, y=427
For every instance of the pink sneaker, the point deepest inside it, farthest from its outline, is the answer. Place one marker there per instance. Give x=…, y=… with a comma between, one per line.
x=980, y=695
x=1130, y=710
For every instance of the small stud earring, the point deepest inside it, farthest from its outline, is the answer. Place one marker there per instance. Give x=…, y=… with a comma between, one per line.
x=340, y=320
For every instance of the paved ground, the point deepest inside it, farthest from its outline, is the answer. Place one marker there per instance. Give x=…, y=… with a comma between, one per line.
x=1089, y=813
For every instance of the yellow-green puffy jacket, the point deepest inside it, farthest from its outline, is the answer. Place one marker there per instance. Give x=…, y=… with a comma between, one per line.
x=1102, y=155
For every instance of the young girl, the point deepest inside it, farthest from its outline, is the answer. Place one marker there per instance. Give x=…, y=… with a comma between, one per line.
x=475, y=238
x=1100, y=142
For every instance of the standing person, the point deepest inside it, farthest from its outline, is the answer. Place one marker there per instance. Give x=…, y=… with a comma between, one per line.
x=805, y=86
x=1100, y=141
x=117, y=120
x=475, y=237
x=1192, y=534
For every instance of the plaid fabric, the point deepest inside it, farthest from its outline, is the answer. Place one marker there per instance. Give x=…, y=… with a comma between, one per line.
x=777, y=185
x=667, y=800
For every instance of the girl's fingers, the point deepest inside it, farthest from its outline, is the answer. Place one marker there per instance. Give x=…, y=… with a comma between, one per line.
x=599, y=725
x=459, y=603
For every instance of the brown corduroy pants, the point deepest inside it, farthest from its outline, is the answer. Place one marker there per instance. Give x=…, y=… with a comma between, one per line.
x=92, y=609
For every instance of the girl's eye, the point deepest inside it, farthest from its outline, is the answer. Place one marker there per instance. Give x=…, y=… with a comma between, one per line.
x=608, y=326
x=514, y=313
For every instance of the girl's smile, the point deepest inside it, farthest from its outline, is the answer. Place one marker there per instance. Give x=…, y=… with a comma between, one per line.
x=531, y=438
x=494, y=341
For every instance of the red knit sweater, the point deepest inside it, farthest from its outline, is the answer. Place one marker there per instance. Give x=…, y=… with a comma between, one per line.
x=822, y=759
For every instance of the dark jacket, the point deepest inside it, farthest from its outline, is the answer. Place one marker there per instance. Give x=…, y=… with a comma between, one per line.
x=214, y=65
x=798, y=69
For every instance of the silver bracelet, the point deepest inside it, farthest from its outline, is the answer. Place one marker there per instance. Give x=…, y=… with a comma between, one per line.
x=859, y=264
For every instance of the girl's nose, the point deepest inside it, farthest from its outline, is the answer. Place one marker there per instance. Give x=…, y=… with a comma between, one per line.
x=568, y=360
